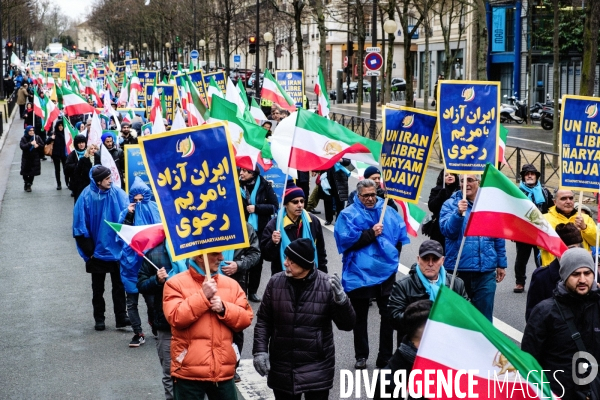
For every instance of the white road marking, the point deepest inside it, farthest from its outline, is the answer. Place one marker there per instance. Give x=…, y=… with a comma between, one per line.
x=529, y=140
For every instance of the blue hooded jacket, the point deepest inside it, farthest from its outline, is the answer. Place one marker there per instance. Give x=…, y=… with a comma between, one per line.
x=480, y=253
x=373, y=264
x=146, y=213
x=93, y=207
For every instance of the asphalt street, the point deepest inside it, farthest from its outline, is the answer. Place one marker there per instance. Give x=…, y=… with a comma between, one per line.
x=50, y=348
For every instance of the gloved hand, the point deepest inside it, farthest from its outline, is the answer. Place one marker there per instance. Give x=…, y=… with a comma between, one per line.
x=339, y=296
x=261, y=363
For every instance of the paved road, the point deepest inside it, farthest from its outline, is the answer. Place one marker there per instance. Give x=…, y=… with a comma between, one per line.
x=50, y=349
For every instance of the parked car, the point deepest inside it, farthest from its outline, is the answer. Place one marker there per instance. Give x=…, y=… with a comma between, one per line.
x=399, y=84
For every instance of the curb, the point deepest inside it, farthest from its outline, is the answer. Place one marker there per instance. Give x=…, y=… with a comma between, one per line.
x=7, y=127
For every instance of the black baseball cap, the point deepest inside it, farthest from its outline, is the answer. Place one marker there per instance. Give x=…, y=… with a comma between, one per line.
x=431, y=247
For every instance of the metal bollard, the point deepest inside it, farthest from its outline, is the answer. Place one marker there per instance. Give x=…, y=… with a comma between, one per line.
x=1, y=124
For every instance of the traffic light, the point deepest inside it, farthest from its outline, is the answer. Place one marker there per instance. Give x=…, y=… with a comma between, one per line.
x=350, y=50
x=252, y=44
x=9, y=47
x=74, y=47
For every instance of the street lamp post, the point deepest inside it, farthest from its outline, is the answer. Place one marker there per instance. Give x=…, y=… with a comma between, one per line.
x=202, y=43
x=373, y=127
x=168, y=57
x=145, y=46
x=268, y=36
x=389, y=27
x=257, y=58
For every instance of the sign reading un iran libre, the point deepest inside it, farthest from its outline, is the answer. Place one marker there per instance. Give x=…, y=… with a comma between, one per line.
x=193, y=175
x=580, y=143
x=468, y=118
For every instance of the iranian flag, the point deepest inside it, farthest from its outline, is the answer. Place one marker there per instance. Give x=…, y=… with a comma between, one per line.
x=321, y=92
x=213, y=90
x=502, y=144
x=73, y=104
x=128, y=116
x=319, y=143
x=70, y=132
x=196, y=107
x=50, y=81
x=502, y=211
x=184, y=95
x=256, y=112
x=242, y=91
x=247, y=137
x=233, y=95
x=457, y=337
x=412, y=215
x=135, y=87
x=272, y=90
x=140, y=238
x=51, y=113
x=124, y=95
x=155, y=108
x=38, y=109
x=91, y=91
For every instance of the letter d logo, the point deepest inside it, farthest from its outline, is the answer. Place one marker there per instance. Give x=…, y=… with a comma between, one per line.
x=582, y=364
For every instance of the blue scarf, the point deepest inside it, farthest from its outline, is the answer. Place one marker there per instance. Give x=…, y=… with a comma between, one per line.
x=340, y=167
x=535, y=194
x=227, y=256
x=176, y=266
x=201, y=270
x=80, y=153
x=432, y=289
x=285, y=240
x=253, y=217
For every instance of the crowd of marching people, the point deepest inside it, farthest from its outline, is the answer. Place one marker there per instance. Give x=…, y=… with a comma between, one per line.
x=197, y=309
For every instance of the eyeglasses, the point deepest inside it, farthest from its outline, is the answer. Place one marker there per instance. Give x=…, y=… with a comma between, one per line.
x=469, y=180
x=368, y=195
x=301, y=201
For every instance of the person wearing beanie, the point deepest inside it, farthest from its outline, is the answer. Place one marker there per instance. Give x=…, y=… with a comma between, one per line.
x=373, y=174
x=561, y=326
x=260, y=204
x=544, y=279
x=285, y=349
x=108, y=140
x=292, y=222
x=96, y=241
x=32, y=147
x=79, y=147
x=564, y=211
x=446, y=185
x=541, y=197
x=127, y=136
x=370, y=256
x=59, y=153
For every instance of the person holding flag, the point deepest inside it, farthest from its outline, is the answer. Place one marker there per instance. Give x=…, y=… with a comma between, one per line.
x=260, y=204
x=370, y=240
x=59, y=152
x=32, y=146
x=108, y=141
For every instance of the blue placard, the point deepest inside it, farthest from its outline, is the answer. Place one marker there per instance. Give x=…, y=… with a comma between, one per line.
x=276, y=177
x=134, y=166
x=407, y=143
x=292, y=82
x=169, y=92
x=498, y=29
x=219, y=78
x=580, y=143
x=193, y=175
x=237, y=58
x=146, y=78
x=468, y=116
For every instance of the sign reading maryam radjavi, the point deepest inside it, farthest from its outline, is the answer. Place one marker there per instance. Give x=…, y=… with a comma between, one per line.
x=469, y=124
x=193, y=175
x=134, y=166
x=407, y=143
x=580, y=143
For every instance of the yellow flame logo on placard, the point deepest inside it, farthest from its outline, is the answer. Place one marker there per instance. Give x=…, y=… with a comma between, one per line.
x=592, y=110
x=408, y=121
x=468, y=94
x=186, y=147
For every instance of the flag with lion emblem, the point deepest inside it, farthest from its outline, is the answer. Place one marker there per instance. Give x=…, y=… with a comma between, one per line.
x=457, y=337
x=319, y=143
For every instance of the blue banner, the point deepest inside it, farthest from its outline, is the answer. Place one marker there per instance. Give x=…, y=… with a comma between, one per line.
x=134, y=166
x=498, y=29
x=407, y=143
x=170, y=95
x=80, y=68
x=133, y=65
x=292, y=82
x=198, y=79
x=276, y=177
x=192, y=172
x=219, y=78
x=119, y=75
x=146, y=79
x=468, y=117
x=53, y=72
x=580, y=143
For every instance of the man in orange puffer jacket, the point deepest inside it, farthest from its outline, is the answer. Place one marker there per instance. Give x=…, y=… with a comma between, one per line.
x=203, y=314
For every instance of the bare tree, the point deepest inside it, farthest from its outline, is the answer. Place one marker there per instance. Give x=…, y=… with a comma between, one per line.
x=590, y=48
x=410, y=21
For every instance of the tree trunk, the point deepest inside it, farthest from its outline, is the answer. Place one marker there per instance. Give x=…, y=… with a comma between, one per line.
x=360, y=55
x=322, y=38
x=590, y=49
x=556, y=75
x=427, y=71
x=298, y=6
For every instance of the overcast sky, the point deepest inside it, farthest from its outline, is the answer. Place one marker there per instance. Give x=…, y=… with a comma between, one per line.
x=75, y=8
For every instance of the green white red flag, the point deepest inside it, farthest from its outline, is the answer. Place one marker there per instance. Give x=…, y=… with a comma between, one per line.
x=73, y=104
x=196, y=108
x=140, y=238
x=70, y=133
x=38, y=108
x=322, y=99
x=457, y=337
x=502, y=144
x=412, y=215
x=502, y=211
x=319, y=143
x=213, y=90
x=51, y=113
x=257, y=112
x=272, y=90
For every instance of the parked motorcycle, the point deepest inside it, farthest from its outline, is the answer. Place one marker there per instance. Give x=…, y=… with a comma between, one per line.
x=515, y=111
x=547, y=118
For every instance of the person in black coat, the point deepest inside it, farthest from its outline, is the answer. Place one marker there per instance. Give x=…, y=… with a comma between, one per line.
x=550, y=340
x=81, y=176
x=79, y=145
x=116, y=153
x=260, y=203
x=293, y=337
x=446, y=185
x=59, y=153
x=32, y=146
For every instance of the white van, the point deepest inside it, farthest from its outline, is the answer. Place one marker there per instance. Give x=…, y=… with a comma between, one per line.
x=54, y=49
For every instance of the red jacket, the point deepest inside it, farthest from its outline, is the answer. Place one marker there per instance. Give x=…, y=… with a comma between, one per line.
x=201, y=348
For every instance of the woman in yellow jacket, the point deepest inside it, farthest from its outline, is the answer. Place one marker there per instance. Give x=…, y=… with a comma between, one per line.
x=564, y=211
